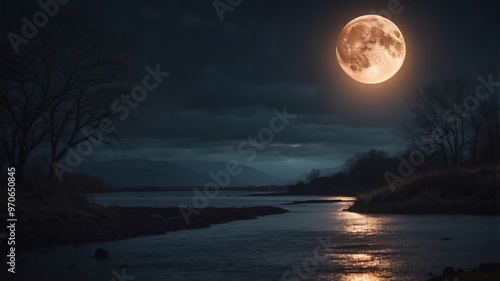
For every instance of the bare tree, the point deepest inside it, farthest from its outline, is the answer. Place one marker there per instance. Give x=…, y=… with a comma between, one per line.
x=58, y=88
x=488, y=115
x=313, y=175
x=449, y=122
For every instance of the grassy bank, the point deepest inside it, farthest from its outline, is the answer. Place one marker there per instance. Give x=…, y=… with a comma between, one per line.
x=464, y=191
x=56, y=205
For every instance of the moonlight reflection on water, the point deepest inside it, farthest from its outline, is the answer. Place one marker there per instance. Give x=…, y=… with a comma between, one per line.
x=361, y=258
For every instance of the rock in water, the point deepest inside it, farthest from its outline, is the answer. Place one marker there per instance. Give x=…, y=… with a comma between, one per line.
x=100, y=254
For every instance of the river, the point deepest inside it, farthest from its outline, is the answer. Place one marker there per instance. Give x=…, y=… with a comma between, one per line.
x=311, y=242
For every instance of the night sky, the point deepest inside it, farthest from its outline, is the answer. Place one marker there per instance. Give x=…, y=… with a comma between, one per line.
x=227, y=76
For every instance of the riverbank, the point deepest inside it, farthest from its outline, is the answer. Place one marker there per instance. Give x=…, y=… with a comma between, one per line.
x=317, y=202
x=52, y=214
x=128, y=222
x=473, y=192
x=485, y=272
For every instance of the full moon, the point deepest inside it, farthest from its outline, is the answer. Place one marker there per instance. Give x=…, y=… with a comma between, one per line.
x=371, y=49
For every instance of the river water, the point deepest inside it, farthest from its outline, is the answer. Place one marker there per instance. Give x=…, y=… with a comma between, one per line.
x=312, y=242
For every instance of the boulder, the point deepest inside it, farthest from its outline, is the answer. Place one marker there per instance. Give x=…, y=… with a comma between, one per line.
x=101, y=253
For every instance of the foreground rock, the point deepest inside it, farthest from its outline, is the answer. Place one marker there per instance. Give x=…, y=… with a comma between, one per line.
x=100, y=254
x=126, y=222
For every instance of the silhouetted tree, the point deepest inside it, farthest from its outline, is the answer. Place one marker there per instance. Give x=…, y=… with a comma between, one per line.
x=362, y=172
x=313, y=175
x=365, y=170
x=59, y=86
x=454, y=122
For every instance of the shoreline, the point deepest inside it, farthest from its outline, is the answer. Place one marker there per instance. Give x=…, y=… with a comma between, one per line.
x=277, y=189
x=318, y=202
x=425, y=209
x=485, y=272
x=129, y=222
x=465, y=191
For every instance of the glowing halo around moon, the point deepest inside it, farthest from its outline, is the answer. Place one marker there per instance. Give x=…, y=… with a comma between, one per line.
x=370, y=49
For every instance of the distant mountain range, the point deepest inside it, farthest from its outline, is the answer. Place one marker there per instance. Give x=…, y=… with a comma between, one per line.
x=142, y=173
x=247, y=177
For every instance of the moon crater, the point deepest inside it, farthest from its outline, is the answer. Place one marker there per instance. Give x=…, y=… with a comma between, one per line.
x=371, y=49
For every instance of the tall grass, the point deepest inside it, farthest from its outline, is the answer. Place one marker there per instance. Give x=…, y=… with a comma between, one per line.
x=42, y=201
x=471, y=188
